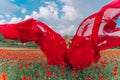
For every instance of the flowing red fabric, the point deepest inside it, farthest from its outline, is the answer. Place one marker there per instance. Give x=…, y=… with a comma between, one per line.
x=50, y=42
x=109, y=34
x=104, y=15
x=82, y=52
x=95, y=33
x=105, y=32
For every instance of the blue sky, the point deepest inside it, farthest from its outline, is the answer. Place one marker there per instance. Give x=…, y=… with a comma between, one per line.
x=118, y=22
x=63, y=16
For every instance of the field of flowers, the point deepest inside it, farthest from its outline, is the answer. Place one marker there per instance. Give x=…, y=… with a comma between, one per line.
x=30, y=64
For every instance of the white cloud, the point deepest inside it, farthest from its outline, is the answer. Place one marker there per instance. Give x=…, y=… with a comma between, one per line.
x=3, y=21
x=66, y=1
x=65, y=30
x=23, y=10
x=27, y=17
x=50, y=11
x=15, y=20
x=45, y=12
x=69, y=13
x=34, y=15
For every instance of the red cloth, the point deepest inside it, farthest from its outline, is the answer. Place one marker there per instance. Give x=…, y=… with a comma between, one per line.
x=109, y=34
x=97, y=32
x=105, y=30
x=50, y=42
x=104, y=15
x=81, y=53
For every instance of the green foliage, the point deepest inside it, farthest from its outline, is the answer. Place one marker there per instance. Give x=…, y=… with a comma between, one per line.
x=16, y=43
x=16, y=73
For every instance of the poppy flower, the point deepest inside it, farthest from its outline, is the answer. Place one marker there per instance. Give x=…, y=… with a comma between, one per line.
x=37, y=75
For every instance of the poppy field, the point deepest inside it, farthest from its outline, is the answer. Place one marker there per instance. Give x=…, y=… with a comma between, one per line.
x=30, y=64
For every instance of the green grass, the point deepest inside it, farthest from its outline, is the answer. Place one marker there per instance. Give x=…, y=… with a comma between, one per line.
x=15, y=43
x=16, y=73
x=104, y=68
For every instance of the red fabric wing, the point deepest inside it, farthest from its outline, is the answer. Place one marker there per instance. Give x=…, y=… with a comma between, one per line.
x=82, y=50
x=50, y=42
x=107, y=34
x=103, y=16
x=111, y=35
x=95, y=33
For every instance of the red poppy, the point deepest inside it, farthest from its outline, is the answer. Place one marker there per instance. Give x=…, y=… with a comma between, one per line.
x=102, y=77
x=114, y=73
x=87, y=78
x=20, y=66
x=28, y=78
x=48, y=73
x=3, y=76
x=37, y=75
x=24, y=78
